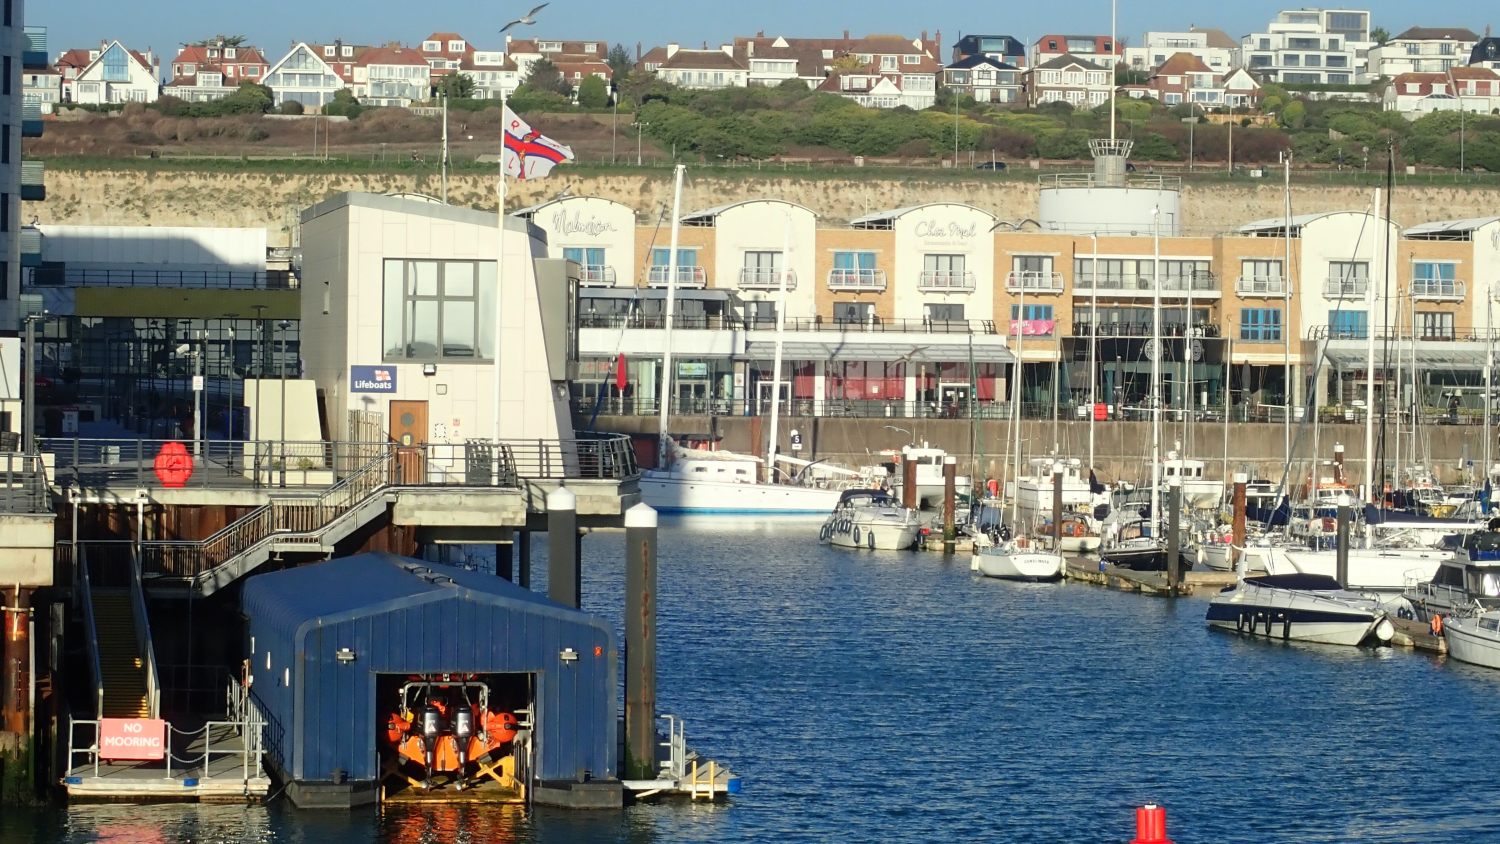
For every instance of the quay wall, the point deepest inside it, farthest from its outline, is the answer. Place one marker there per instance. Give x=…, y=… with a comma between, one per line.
x=142, y=195
x=1121, y=448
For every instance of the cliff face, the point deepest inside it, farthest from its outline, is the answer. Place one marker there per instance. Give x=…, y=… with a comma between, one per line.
x=211, y=198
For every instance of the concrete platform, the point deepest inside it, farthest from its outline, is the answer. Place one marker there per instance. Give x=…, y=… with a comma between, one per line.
x=223, y=778
x=1146, y=582
x=1411, y=633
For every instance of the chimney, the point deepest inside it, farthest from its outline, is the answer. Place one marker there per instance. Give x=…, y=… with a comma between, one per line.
x=637, y=52
x=924, y=36
x=671, y=50
x=846, y=35
x=728, y=49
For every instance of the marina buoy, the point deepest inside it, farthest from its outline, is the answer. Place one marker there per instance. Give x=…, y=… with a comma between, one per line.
x=1150, y=825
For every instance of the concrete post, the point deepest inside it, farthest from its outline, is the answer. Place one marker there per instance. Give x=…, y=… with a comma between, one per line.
x=1057, y=503
x=523, y=559
x=1341, y=559
x=909, y=498
x=1174, y=538
x=1237, y=529
x=640, y=642
x=562, y=547
x=950, y=529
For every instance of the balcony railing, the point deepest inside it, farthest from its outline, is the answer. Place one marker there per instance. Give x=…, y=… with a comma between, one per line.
x=759, y=278
x=850, y=279
x=31, y=118
x=686, y=276
x=1404, y=333
x=1039, y=282
x=33, y=181
x=201, y=279
x=941, y=280
x=31, y=247
x=595, y=274
x=1445, y=289
x=1204, y=282
x=1260, y=285
x=34, y=46
x=1340, y=287
x=1081, y=328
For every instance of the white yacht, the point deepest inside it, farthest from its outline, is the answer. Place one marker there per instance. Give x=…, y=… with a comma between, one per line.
x=726, y=483
x=1370, y=569
x=1474, y=639
x=929, y=462
x=1034, y=490
x=1470, y=578
x=1198, y=492
x=1301, y=608
x=870, y=518
x=1017, y=558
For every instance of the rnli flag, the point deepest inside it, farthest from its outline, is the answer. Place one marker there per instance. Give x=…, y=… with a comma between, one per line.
x=530, y=154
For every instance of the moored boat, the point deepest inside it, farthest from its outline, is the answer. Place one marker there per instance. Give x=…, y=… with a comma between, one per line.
x=1474, y=639
x=1300, y=608
x=870, y=518
x=1015, y=559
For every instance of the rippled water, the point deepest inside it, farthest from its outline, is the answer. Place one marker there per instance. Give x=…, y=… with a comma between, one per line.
x=892, y=697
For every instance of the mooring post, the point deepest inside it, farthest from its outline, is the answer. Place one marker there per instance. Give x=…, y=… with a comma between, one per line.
x=1341, y=556
x=1057, y=489
x=523, y=559
x=1237, y=525
x=950, y=529
x=1174, y=540
x=640, y=642
x=909, y=498
x=562, y=547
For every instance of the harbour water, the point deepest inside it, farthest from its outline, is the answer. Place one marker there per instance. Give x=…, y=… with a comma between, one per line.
x=895, y=697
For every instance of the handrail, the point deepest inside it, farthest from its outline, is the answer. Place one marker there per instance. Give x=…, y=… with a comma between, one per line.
x=143, y=635
x=91, y=633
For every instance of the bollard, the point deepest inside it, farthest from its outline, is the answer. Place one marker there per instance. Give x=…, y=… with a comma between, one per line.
x=1150, y=825
x=1237, y=526
x=909, y=498
x=1174, y=539
x=562, y=547
x=523, y=560
x=1057, y=489
x=640, y=642
x=1341, y=556
x=1338, y=463
x=950, y=529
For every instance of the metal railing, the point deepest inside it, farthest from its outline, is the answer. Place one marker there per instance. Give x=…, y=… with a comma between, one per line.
x=1260, y=285
x=23, y=484
x=961, y=280
x=143, y=640
x=1088, y=180
x=34, y=46
x=1437, y=289
x=635, y=319
x=879, y=325
x=658, y=274
x=1462, y=334
x=1339, y=287
x=33, y=180
x=91, y=634
x=1201, y=282
x=596, y=274
x=1037, y=281
x=1144, y=329
x=221, y=464
x=186, y=279
x=249, y=733
x=852, y=279
x=766, y=278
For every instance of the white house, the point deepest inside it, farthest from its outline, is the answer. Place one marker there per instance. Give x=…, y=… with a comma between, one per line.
x=1069, y=79
x=1310, y=47
x=1422, y=49
x=303, y=76
x=707, y=69
x=1212, y=46
x=492, y=72
x=985, y=79
x=118, y=75
x=392, y=76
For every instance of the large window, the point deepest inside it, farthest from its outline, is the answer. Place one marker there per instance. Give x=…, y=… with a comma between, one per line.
x=116, y=64
x=1434, y=326
x=859, y=312
x=1260, y=325
x=1348, y=325
x=1034, y=321
x=1435, y=278
x=439, y=309
x=944, y=312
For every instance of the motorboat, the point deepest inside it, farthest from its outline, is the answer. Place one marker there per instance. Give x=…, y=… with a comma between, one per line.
x=1474, y=639
x=1076, y=533
x=870, y=518
x=1261, y=553
x=1134, y=545
x=1198, y=492
x=929, y=463
x=725, y=483
x=1299, y=608
x=1370, y=569
x=1469, y=579
x=1014, y=558
x=1035, y=489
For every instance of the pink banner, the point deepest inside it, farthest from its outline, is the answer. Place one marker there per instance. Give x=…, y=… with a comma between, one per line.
x=132, y=738
x=1032, y=327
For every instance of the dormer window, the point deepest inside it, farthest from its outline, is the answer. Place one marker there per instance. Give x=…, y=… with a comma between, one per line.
x=549, y=46
x=328, y=51
x=230, y=52
x=455, y=46
x=213, y=52
x=591, y=48
x=432, y=46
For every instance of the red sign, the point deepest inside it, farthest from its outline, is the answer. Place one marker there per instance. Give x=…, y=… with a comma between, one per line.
x=173, y=465
x=620, y=377
x=132, y=738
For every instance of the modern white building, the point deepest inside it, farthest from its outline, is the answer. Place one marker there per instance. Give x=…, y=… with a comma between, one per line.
x=303, y=76
x=949, y=249
x=705, y=69
x=597, y=234
x=392, y=76
x=118, y=75
x=1311, y=47
x=1212, y=46
x=1422, y=49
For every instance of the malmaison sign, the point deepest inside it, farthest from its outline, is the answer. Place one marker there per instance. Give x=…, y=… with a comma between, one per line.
x=564, y=223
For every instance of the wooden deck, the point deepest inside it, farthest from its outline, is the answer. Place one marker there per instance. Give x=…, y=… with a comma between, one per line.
x=1145, y=582
x=224, y=777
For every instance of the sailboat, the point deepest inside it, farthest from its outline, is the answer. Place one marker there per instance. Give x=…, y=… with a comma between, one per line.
x=694, y=481
x=1006, y=553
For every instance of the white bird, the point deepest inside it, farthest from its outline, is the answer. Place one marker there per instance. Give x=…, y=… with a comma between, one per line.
x=528, y=18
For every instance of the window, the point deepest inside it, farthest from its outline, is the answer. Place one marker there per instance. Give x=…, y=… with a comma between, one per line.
x=591, y=264
x=9, y=12
x=439, y=309
x=1434, y=326
x=945, y=313
x=887, y=62
x=1434, y=278
x=944, y=271
x=911, y=59
x=432, y=46
x=860, y=312
x=763, y=313
x=1348, y=277
x=1035, y=321
x=1260, y=325
x=230, y=52
x=115, y=63
x=328, y=51
x=346, y=51
x=6, y=71
x=854, y=269
x=762, y=264
x=662, y=257
x=455, y=46
x=1260, y=275
x=1348, y=325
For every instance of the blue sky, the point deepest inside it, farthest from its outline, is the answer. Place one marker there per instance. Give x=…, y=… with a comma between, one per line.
x=274, y=24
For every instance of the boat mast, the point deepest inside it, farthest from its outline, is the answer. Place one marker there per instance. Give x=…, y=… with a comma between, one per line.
x=783, y=270
x=1155, y=392
x=1093, y=347
x=1489, y=367
x=1015, y=497
x=1286, y=335
x=663, y=457
x=1370, y=387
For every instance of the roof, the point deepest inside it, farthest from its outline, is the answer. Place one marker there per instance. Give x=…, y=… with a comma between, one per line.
x=1180, y=64
x=1216, y=38
x=408, y=204
x=1279, y=223
x=704, y=59
x=1450, y=226
x=710, y=213
x=1067, y=60
x=1437, y=33
x=970, y=62
x=74, y=58
x=531, y=210
x=198, y=54
x=1464, y=72
x=391, y=56
x=889, y=216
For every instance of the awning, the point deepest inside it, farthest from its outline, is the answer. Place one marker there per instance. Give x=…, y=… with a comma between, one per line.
x=1436, y=354
x=837, y=346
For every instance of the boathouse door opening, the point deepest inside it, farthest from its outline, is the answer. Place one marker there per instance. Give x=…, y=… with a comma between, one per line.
x=409, y=433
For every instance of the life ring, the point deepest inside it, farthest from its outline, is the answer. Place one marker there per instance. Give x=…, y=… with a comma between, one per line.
x=1436, y=625
x=856, y=534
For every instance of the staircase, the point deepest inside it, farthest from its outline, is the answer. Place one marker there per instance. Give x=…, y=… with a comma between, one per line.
x=121, y=664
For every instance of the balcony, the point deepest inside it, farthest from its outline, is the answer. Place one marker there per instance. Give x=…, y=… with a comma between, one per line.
x=33, y=181
x=766, y=278
x=31, y=118
x=596, y=275
x=1034, y=282
x=31, y=247
x=1341, y=287
x=1204, y=284
x=856, y=280
x=34, y=46
x=943, y=281
x=686, y=276
x=1260, y=285
x=1437, y=289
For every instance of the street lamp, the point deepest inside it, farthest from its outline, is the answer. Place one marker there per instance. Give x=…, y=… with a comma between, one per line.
x=1191, y=121
x=281, y=429
x=638, y=127
x=28, y=409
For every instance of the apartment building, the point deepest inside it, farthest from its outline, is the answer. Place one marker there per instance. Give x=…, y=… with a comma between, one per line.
x=1212, y=47
x=1311, y=47
x=1422, y=49
x=1005, y=49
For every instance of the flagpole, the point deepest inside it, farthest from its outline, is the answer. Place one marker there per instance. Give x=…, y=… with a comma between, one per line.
x=500, y=259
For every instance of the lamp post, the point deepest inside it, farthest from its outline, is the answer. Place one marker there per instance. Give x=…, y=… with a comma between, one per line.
x=639, y=126
x=1461, y=111
x=281, y=429
x=28, y=409
x=260, y=374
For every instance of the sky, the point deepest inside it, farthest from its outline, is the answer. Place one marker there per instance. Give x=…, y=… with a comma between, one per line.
x=273, y=25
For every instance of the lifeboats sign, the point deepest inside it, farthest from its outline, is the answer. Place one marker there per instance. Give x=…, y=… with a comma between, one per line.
x=132, y=738
x=372, y=379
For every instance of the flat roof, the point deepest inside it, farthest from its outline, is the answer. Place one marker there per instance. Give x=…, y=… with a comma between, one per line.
x=1451, y=226
x=708, y=214
x=888, y=216
x=415, y=205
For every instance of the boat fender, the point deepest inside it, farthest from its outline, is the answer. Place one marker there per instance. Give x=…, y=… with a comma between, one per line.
x=1286, y=629
x=1436, y=624
x=823, y=535
x=856, y=534
x=870, y=539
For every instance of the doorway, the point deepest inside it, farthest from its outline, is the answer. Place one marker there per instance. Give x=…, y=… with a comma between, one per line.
x=764, y=390
x=409, y=433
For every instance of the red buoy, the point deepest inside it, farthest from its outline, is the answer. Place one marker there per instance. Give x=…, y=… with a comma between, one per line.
x=1151, y=825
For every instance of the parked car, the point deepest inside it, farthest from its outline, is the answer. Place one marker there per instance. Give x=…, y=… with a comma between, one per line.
x=991, y=165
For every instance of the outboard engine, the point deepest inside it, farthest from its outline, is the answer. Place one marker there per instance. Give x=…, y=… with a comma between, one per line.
x=432, y=728
x=463, y=731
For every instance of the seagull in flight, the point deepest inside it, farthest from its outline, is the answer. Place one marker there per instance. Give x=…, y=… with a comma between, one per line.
x=528, y=18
